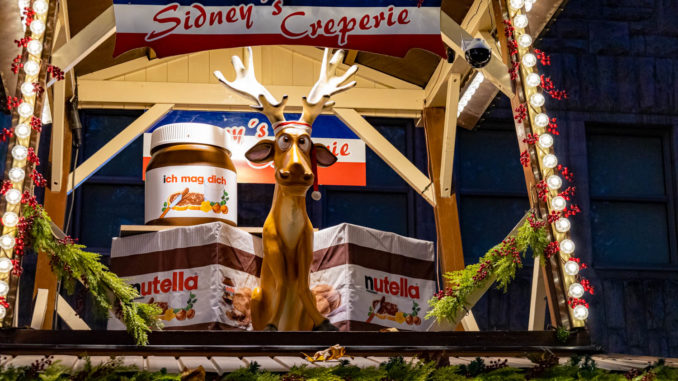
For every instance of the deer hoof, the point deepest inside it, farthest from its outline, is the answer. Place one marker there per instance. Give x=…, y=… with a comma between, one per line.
x=325, y=326
x=270, y=328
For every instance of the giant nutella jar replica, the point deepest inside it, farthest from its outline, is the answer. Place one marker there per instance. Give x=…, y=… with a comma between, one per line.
x=190, y=179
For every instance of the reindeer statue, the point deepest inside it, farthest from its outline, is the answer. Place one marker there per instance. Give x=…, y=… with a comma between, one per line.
x=284, y=300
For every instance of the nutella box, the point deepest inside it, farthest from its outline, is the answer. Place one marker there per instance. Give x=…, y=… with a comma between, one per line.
x=365, y=279
x=201, y=276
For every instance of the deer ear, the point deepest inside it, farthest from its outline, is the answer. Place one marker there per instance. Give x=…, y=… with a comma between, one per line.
x=261, y=152
x=324, y=156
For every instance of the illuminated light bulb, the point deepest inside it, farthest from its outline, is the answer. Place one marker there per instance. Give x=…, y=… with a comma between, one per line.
x=567, y=246
x=550, y=161
x=13, y=197
x=520, y=21
x=25, y=109
x=529, y=60
x=580, y=312
x=10, y=219
x=528, y=5
x=571, y=268
x=34, y=47
x=37, y=27
x=554, y=182
x=24, y=4
x=576, y=290
x=525, y=40
x=558, y=204
x=16, y=174
x=545, y=141
x=19, y=152
x=533, y=80
x=22, y=130
x=562, y=225
x=517, y=4
x=4, y=288
x=5, y=265
x=7, y=242
x=27, y=89
x=537, y=100
x=541, y=120
x=3, y=312
x=40, y=7
x=31, y=68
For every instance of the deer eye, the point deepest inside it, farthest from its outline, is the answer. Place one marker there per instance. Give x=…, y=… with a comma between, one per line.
x=304, y=143
x=284, y=142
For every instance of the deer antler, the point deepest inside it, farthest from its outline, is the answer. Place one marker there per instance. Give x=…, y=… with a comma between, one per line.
x=328, y=84
x=246, y=84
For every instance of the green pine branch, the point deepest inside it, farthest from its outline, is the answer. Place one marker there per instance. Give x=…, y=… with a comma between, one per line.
x=494, y=266
x=72, y=264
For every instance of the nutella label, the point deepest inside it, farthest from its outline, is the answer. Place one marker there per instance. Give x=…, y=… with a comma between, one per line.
x=191, y=191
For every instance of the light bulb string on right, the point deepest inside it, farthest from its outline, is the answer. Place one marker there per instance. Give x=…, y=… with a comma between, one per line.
x=540, y=133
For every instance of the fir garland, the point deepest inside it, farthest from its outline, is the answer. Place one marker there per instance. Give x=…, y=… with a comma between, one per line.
x=71, y=263
x=395, y=369
x=499, y=264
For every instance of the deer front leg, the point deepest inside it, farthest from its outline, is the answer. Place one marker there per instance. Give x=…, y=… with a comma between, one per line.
x=274, y=281
x=304, y=260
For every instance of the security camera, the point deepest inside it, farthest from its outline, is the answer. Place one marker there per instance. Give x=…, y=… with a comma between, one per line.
x=477, y=52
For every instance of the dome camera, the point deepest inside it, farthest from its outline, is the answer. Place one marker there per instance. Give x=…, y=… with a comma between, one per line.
x=477, y=52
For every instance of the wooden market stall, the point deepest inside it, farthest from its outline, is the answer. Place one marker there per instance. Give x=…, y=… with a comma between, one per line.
x=440, y=94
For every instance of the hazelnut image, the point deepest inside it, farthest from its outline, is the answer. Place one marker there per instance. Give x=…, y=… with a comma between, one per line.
x=181, y=315
x=216, y=208
x=408, y=319
x=190, y=314
x=224, y=209
x=417, y=320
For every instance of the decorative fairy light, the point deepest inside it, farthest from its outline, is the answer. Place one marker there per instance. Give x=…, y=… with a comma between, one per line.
x=542, y=135
x=34, y=19
x=571, y=268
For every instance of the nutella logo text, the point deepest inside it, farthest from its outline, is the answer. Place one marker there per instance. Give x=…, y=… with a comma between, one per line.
x=178, y=282
x=396, y=288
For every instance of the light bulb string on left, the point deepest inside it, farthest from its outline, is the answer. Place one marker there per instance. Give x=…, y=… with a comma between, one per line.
x=21, y=176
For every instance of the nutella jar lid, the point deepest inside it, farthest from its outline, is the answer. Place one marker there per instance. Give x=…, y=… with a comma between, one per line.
x=187, y=133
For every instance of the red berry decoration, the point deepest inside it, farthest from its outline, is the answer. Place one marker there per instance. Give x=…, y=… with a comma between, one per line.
x=525, y=159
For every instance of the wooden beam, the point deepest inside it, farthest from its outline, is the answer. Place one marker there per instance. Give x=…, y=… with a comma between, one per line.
x=495, y=71
x=364, y=71
x=448, y=231
x=118, y=143
x=537, y=300
x=387, y=152
x=216, y=95
x=58, y=127
x=86, y=41
x=70, y=317
x=449, y=136
x=39, y=308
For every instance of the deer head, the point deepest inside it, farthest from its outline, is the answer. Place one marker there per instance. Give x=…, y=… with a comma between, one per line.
x=293, y=153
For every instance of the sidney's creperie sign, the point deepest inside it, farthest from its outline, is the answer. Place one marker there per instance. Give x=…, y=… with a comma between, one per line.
x=391, y=27
x=246, y=128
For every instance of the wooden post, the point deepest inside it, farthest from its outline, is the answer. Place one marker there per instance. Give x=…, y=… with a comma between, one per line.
x=448, y=231
x=55, y=206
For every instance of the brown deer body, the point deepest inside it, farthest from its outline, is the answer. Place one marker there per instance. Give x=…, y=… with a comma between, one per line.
x=284, y=300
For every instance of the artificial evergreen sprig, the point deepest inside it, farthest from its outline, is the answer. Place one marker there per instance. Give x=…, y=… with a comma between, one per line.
x=71, y=263
x=499, y=265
